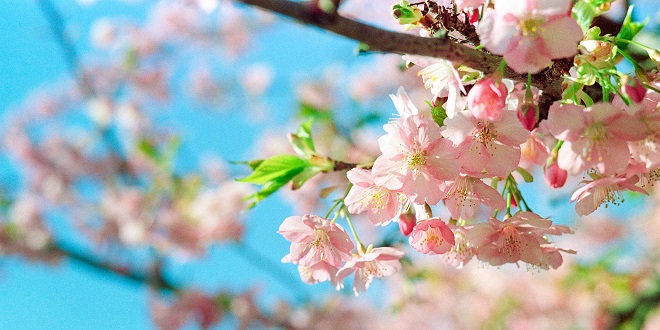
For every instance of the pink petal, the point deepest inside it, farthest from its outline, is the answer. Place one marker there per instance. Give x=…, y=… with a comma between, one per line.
x=561, y=37
x=527, y=56
x=566, y=122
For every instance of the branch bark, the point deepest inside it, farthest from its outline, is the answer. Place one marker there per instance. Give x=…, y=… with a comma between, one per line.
x=382, y=40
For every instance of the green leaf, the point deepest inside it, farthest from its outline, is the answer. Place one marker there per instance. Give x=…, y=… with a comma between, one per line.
x=405, y=13
x=275, y=168
x=584, y=12
x=438, y=113
x=361, y=49
x=301, y=141
x=526, y=175
x=302, y=177
x=266, y=190
x=309, y=111
x=629, y=29
x=150, y=150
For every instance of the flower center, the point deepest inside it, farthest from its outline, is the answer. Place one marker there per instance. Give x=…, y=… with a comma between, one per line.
x=595, y=132
x=462, y=190
x=530, y=26
x=511, y=242
x=375, y=197
x=607, y=195
x=416, y=160
x=485, y=133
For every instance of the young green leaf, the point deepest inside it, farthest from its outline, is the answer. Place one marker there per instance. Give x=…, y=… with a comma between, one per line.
x=276, y=167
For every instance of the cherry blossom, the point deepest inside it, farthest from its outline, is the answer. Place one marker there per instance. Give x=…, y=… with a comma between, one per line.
x=530, y=33
x=381, y=204
x=416, y=160
x=432, y=236
x=490, y=146
x=487, y=98
x=464, y=196
x=603, y=190
x=441, y=78
x=375, y=262
x=518, y=238
x=593, y=137
x=314, y=240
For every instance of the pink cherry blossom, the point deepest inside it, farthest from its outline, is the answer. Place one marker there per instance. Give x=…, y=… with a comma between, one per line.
x=432, y=236
x=518, y=238
x=493, y=147
x=603, y=190
x=487, y=99
x=315, y=240
x=462, y=251
x=463, y=197
x=530, y=33
x=533, y=152
x=381, y=204
x=594, y=137
x=403, y=104
x=375, y=262
x=441, y=78
x=416, y=160
x=552, y=257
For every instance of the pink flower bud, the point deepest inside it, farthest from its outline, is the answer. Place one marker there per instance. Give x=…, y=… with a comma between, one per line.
x=636, y=91
x=407, y=222
x=554, y=176
x=487, y=99
x=528, y=114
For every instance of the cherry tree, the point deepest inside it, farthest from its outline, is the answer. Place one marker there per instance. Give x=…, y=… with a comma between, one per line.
x=490, y=97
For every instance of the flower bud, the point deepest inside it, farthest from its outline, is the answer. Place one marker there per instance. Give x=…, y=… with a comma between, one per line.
x=487, y=99
x=407, y=221
x=554, y=176
x=635, y=90
x=528, y=114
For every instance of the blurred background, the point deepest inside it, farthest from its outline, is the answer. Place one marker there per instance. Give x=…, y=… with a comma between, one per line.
x=118, y=115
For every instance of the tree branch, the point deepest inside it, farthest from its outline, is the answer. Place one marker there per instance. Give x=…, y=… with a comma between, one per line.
x=548, y=80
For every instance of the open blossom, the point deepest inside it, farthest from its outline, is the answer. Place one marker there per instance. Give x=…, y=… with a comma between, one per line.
x=381, y=204
x=462, y=251
x=491, y=146
x=432, y=236
x=518, y=238
x=552, y=257
x=375, y=262
x=416, y=160
x=530, y=33
x=463, y=197
x=603, y=190
x=441, y=78
x=314, y=240
x=594, y=137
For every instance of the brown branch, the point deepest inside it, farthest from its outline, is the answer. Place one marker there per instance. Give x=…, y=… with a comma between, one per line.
x=400, y=43
x=156, y=281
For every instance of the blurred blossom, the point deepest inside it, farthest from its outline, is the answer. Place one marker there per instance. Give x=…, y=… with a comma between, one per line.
x=257, y=78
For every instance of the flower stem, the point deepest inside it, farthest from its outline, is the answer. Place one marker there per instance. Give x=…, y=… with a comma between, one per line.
x=350, y=225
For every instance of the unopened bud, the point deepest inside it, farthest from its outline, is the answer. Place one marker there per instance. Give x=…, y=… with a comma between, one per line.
x=528, y=114
x=487, y=99
x=554, y=176
x=635, y=90
x=407, y=222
